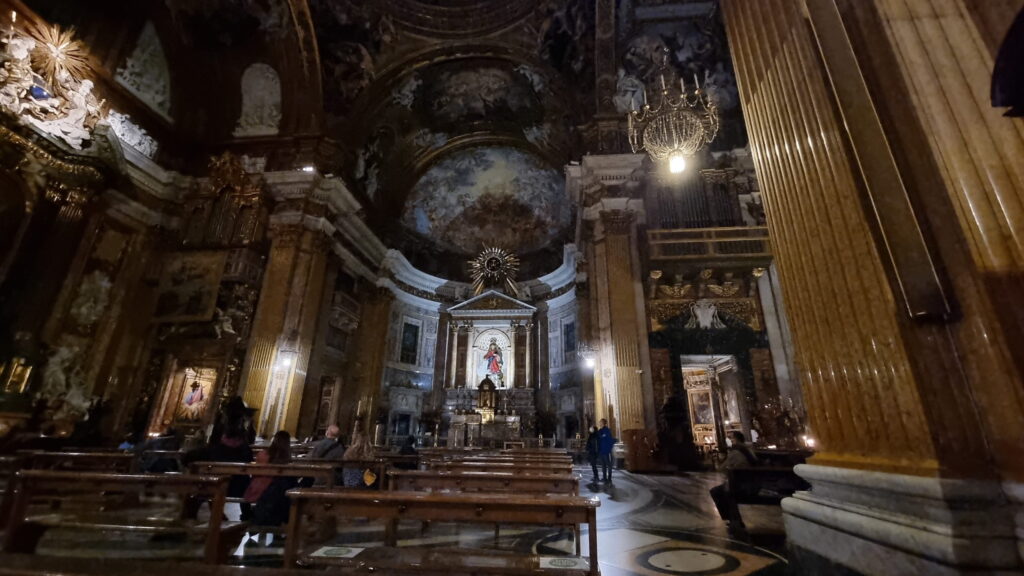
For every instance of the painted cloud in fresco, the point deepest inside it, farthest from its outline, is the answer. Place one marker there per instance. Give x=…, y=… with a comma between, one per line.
x=499, y=196
x=456, y=92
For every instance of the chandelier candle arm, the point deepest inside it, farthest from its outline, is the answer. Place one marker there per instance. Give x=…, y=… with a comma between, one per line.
x=675, y=128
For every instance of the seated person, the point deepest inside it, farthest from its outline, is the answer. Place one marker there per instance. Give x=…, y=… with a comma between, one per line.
x=330, y=446
x=267, y=493
x=168, y=441
x=408, y=449
x=739, y=456
x=360, y=451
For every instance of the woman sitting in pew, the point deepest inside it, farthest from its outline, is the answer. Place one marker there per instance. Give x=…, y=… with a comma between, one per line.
x=359, y=475
x=267, y=493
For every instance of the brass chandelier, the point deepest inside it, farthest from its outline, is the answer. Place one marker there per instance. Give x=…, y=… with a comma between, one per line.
x=677, y=127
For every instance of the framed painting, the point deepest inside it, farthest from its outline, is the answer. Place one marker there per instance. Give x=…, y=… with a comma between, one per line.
x=189, y=285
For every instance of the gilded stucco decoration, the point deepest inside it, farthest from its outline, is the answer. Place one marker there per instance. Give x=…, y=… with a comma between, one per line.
x=490, y=196
x=43, y=84
x=701, y=302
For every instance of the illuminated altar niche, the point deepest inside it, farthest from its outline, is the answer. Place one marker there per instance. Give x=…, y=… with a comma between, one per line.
x=189, y=391
x=488, y=343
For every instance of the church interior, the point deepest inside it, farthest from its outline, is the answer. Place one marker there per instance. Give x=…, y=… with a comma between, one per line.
x=561, y=287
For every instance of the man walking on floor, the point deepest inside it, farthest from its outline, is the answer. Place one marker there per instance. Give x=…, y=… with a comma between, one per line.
x=605, y=445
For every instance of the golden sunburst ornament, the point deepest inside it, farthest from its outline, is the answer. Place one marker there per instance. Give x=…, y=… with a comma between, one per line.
x=58, y=56
x=494, y=266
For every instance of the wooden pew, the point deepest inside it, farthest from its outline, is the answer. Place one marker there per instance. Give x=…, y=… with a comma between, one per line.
x=490, y=482
x=440, y=481
x=523, y=458
x=28, y=565
x=321, y=472
x=514, y=467
x=319, y=506
x=111, y=462
x=9, y=466
x=27, y=528
x=25, y=565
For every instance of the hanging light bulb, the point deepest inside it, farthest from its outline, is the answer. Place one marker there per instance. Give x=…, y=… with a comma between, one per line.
x=676, y=163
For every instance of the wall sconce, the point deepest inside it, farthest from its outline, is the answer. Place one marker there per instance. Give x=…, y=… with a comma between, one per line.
x=588, y=354
x=288, y=351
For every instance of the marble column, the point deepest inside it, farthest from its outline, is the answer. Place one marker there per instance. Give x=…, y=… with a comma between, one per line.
x=868, y=130
x=284, y=326
x=365, y=371
x=529, y=357
x=453, y=346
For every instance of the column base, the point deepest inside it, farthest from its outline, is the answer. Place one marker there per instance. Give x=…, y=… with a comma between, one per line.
x=874, y=523
x=1015, y=492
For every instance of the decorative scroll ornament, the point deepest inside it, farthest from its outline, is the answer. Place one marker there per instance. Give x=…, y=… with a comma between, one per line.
x=42, y=83
x=494, y=266
x=677, y=126
x=704, y=314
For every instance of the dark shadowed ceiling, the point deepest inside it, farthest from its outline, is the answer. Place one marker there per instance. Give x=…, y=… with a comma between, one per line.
x=451, y=120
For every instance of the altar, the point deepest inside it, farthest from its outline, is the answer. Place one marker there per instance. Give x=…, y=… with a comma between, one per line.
x=489, y=392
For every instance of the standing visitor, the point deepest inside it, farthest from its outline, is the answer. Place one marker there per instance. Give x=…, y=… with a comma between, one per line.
x=592, y=444
x=605, y=444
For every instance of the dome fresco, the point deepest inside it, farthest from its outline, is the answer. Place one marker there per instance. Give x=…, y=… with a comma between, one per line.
x=495, y=195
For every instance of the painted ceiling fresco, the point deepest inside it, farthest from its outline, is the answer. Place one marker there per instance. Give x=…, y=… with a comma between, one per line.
x=431, y=107
x=499, y=196
x=694, y=46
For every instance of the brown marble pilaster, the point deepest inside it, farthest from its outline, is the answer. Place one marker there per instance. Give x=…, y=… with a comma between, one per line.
x=916, y=421
x=368, y=355
x=285, y=324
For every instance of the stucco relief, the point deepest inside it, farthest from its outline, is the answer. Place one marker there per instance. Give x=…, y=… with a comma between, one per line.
x=145, y=73
x=261, y=102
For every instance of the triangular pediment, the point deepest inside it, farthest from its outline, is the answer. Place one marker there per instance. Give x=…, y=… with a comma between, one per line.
x=492, y=301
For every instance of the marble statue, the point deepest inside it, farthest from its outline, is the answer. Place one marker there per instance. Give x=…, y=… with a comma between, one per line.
x=74, y=126
x=92, y=299
x=68, y=110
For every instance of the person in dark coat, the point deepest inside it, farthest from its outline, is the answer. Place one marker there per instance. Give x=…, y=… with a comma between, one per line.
x=592, y=444
x=408, y=449
x=330, y=446
x=739, y=456
x=605, y=444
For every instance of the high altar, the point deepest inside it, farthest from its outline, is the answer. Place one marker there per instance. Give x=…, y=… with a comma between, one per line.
x=489, y=393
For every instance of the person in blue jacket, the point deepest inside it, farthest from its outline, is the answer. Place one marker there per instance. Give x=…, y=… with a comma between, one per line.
x=605, y=444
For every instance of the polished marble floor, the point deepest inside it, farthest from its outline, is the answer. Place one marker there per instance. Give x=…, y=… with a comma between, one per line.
x=647, y=525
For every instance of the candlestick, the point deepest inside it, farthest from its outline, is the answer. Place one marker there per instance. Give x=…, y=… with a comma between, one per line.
x=645, y=95
x=696, y=83
x=663, y=82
